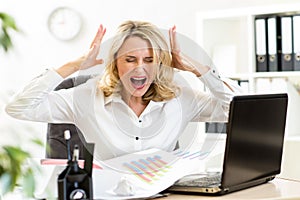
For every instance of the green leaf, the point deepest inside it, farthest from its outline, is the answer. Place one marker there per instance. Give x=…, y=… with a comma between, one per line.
x=5, y=183
x=5, y=40
x=16, y=154
x=15, y=158
x=28, y=183
x=14, y=170
x=8, y=21
x=38, y=142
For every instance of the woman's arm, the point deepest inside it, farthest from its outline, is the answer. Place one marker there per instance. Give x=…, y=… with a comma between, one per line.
x=212, y=105
x=185, y=63
x=204, y=98
x=38, y=102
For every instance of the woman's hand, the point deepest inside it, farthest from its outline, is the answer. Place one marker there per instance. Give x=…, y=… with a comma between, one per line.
x=86, y=61
x=90, y=58
x=181, y=62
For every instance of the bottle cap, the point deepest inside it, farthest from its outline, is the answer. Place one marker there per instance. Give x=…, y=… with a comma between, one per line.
x=67, y=134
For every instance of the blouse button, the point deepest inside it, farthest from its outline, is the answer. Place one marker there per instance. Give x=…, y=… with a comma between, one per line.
x=136, y=138
x=140, y=120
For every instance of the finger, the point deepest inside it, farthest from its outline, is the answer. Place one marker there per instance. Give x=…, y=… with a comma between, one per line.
x=99, y=35
x=175, y=46
x=170, y=37
x=96, y=36
x=99, y=62
x=171, y=34
x=173, y=40
x=93, y=52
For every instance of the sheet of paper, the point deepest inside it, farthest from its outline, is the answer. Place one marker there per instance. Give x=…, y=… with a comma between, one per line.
x=147, y=172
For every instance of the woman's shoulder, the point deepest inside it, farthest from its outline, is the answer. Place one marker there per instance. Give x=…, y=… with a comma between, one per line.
x=185, y=79
x=86, y=83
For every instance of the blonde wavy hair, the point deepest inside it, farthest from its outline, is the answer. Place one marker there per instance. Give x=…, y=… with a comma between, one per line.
x=162, y=88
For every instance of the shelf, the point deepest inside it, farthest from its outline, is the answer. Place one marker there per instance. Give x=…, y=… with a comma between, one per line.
x=238, y=76
x=227, y=36
x=276, y=74
x=255, y=75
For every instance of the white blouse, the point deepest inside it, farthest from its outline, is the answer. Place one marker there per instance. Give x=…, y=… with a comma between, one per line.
x=110, y=123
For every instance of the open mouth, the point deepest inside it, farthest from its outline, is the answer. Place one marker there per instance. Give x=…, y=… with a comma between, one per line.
x=138, y=82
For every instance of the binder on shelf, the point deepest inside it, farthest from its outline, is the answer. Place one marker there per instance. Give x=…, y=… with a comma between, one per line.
x=296, y=42
x=274, y=53
x=286, y=42
x=261, y=45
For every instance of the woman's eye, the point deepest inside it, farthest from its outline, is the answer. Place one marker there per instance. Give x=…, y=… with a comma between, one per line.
x=130, y=60
x=149, y=60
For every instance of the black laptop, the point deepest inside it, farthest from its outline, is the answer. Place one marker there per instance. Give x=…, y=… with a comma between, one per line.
x=254, y=145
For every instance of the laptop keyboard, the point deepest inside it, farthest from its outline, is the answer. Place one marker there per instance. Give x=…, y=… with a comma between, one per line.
x=201, y=181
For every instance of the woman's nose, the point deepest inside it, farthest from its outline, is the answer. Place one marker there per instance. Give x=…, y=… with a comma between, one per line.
x=140, y=63
x=138, y=69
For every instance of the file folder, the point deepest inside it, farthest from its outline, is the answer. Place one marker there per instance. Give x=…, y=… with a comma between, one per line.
x=296, y=42
x=261, y=45
x=286, y=42
x=273, y=40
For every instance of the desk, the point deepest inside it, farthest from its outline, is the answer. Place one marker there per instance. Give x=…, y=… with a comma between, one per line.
x=276, y=189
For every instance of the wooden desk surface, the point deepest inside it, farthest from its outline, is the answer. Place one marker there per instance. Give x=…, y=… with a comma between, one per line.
x=276, y=189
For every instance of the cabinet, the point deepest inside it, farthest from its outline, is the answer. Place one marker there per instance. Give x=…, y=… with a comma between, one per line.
x=227, y=36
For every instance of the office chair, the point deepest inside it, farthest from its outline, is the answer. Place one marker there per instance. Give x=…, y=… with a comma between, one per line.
x=56, y=143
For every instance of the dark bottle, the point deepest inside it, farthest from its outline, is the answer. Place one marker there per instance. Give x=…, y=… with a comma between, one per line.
x=76, y=178
x=75, y=182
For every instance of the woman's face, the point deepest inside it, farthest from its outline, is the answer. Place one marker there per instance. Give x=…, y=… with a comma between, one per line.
x=135, y=65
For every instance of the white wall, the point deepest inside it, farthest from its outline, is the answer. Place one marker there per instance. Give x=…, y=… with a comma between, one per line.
x=35, y=49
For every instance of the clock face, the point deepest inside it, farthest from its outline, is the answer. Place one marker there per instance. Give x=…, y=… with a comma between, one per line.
x=64, y=23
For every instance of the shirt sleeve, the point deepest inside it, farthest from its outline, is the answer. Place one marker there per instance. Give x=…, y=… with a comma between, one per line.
x=39, y=102
x=211, y=103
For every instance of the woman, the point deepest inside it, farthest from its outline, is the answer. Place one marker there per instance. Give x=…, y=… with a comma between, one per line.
x=140, y=102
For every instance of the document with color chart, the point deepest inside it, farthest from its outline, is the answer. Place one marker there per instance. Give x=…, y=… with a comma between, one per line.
x=146, y=173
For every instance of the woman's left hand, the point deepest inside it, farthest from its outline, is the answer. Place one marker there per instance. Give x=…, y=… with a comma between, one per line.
x=179, y=61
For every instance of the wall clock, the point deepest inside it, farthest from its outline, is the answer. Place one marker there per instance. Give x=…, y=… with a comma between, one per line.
x=64, y=23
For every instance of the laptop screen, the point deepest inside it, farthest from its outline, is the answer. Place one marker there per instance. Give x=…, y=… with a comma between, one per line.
x=255, y=134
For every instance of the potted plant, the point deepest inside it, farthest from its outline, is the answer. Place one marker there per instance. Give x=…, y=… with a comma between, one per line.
x=7, y=24
x=14, y=169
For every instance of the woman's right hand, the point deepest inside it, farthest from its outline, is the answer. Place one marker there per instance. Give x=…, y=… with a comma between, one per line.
x=90, y=58
x=86, y=61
